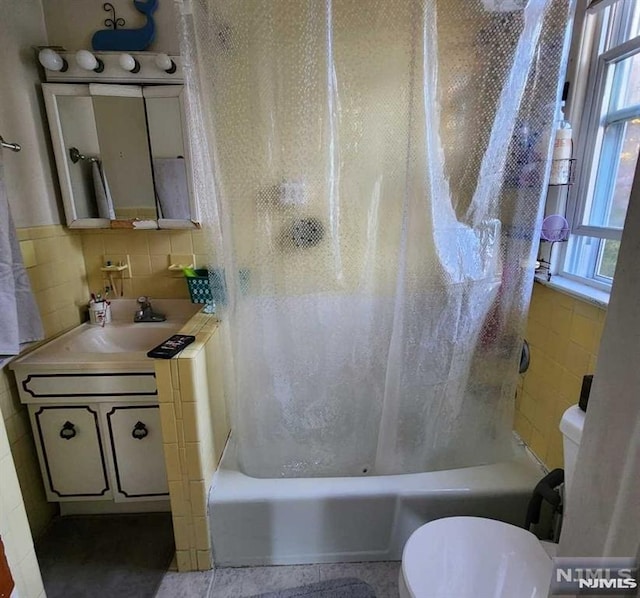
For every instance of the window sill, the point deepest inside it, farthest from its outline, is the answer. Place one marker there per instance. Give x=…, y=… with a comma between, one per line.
x=576, y=289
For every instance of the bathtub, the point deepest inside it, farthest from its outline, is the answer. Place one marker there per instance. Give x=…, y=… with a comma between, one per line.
x=258, y=521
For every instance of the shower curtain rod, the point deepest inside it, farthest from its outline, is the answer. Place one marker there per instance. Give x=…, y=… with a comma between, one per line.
x=14, y=147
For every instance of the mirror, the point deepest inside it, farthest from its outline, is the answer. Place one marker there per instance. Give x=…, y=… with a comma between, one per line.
x=121, y=155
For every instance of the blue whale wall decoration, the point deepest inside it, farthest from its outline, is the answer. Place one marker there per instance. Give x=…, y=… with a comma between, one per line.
x=133, y=40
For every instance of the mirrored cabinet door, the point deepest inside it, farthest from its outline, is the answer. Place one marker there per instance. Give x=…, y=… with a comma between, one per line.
x=121, y=154
x=169, y=153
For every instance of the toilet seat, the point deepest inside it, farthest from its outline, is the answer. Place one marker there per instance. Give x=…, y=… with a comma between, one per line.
x=471, y=557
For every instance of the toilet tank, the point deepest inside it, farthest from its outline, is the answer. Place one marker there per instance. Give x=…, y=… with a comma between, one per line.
x=571, y=426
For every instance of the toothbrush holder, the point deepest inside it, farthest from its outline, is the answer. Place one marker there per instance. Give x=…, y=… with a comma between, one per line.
x=99, y=313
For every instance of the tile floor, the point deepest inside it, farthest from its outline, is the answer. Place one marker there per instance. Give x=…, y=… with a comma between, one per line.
x=103, y=556
x=232, y=582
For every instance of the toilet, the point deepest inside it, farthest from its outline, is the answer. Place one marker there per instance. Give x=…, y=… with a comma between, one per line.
x=467, y=557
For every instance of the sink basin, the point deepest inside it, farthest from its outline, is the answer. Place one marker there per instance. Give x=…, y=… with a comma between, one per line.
x=120, y=342
x=116, y=338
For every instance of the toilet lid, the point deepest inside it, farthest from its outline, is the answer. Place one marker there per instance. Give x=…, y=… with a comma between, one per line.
x=467, y=557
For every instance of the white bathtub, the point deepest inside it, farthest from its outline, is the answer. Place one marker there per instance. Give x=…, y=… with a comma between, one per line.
x=258, y=521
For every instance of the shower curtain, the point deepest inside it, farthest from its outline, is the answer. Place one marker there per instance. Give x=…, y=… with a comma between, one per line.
x=371, y=177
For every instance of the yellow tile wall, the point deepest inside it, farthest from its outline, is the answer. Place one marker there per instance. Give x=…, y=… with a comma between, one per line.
x=55, y=265
x=194, y=430
x=150, y=253
x=564, y=336
x=20, y=437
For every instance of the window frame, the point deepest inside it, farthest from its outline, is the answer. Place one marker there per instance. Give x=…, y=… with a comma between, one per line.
x=610, y=24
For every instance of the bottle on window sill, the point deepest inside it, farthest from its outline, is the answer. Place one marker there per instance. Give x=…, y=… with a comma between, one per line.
x=562, y=150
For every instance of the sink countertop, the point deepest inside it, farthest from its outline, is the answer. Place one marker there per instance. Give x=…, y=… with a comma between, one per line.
x=119, y=345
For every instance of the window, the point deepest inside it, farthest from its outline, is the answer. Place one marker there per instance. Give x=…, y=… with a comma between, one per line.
x=609, y=138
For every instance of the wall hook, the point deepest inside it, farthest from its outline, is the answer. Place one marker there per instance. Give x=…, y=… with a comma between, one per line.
x=14, y=147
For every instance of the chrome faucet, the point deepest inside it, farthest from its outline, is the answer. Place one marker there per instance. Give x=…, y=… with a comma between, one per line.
x=145, y=312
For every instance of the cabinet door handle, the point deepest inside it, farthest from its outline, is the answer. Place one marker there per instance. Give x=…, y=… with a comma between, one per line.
x=139, y=431
x=68, y=431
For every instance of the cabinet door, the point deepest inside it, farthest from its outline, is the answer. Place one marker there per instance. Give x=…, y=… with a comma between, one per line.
x=70, y=451
x=136, y=452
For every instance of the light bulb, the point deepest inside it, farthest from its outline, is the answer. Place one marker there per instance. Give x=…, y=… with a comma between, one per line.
x=164, y=63
x=88, y=61
x=52, y=61
x=129, y=63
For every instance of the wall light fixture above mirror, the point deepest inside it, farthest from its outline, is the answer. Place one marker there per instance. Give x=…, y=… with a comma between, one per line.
x=79, y=67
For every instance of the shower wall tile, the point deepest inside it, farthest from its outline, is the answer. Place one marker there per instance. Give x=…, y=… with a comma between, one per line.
x=564, y=336
x=192, y=404
x=149, y=252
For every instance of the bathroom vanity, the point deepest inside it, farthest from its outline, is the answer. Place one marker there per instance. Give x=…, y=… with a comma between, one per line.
x=93, y=405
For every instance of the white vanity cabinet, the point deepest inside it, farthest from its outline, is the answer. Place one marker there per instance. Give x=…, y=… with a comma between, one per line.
x=135, y=455
x=102, y=451
x=69, y=443
x=98, y=434
x=92, y=397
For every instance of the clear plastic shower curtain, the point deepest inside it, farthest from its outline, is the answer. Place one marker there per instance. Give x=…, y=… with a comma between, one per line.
x=371, y=175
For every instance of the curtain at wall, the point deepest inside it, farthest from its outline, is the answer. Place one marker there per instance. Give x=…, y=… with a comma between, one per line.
x=371, y=176
x=19, y=316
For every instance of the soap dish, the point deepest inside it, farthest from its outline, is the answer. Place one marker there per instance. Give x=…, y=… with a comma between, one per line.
x=114, y=268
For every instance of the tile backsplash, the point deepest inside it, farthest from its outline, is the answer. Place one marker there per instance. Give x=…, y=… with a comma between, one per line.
x=150, y=253
x=55, y=265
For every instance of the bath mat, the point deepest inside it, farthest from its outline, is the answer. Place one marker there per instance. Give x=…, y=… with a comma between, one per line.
x=104, y=556
x=332, y=588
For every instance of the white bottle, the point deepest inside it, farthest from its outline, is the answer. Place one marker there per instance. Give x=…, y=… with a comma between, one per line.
x=562, y=149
